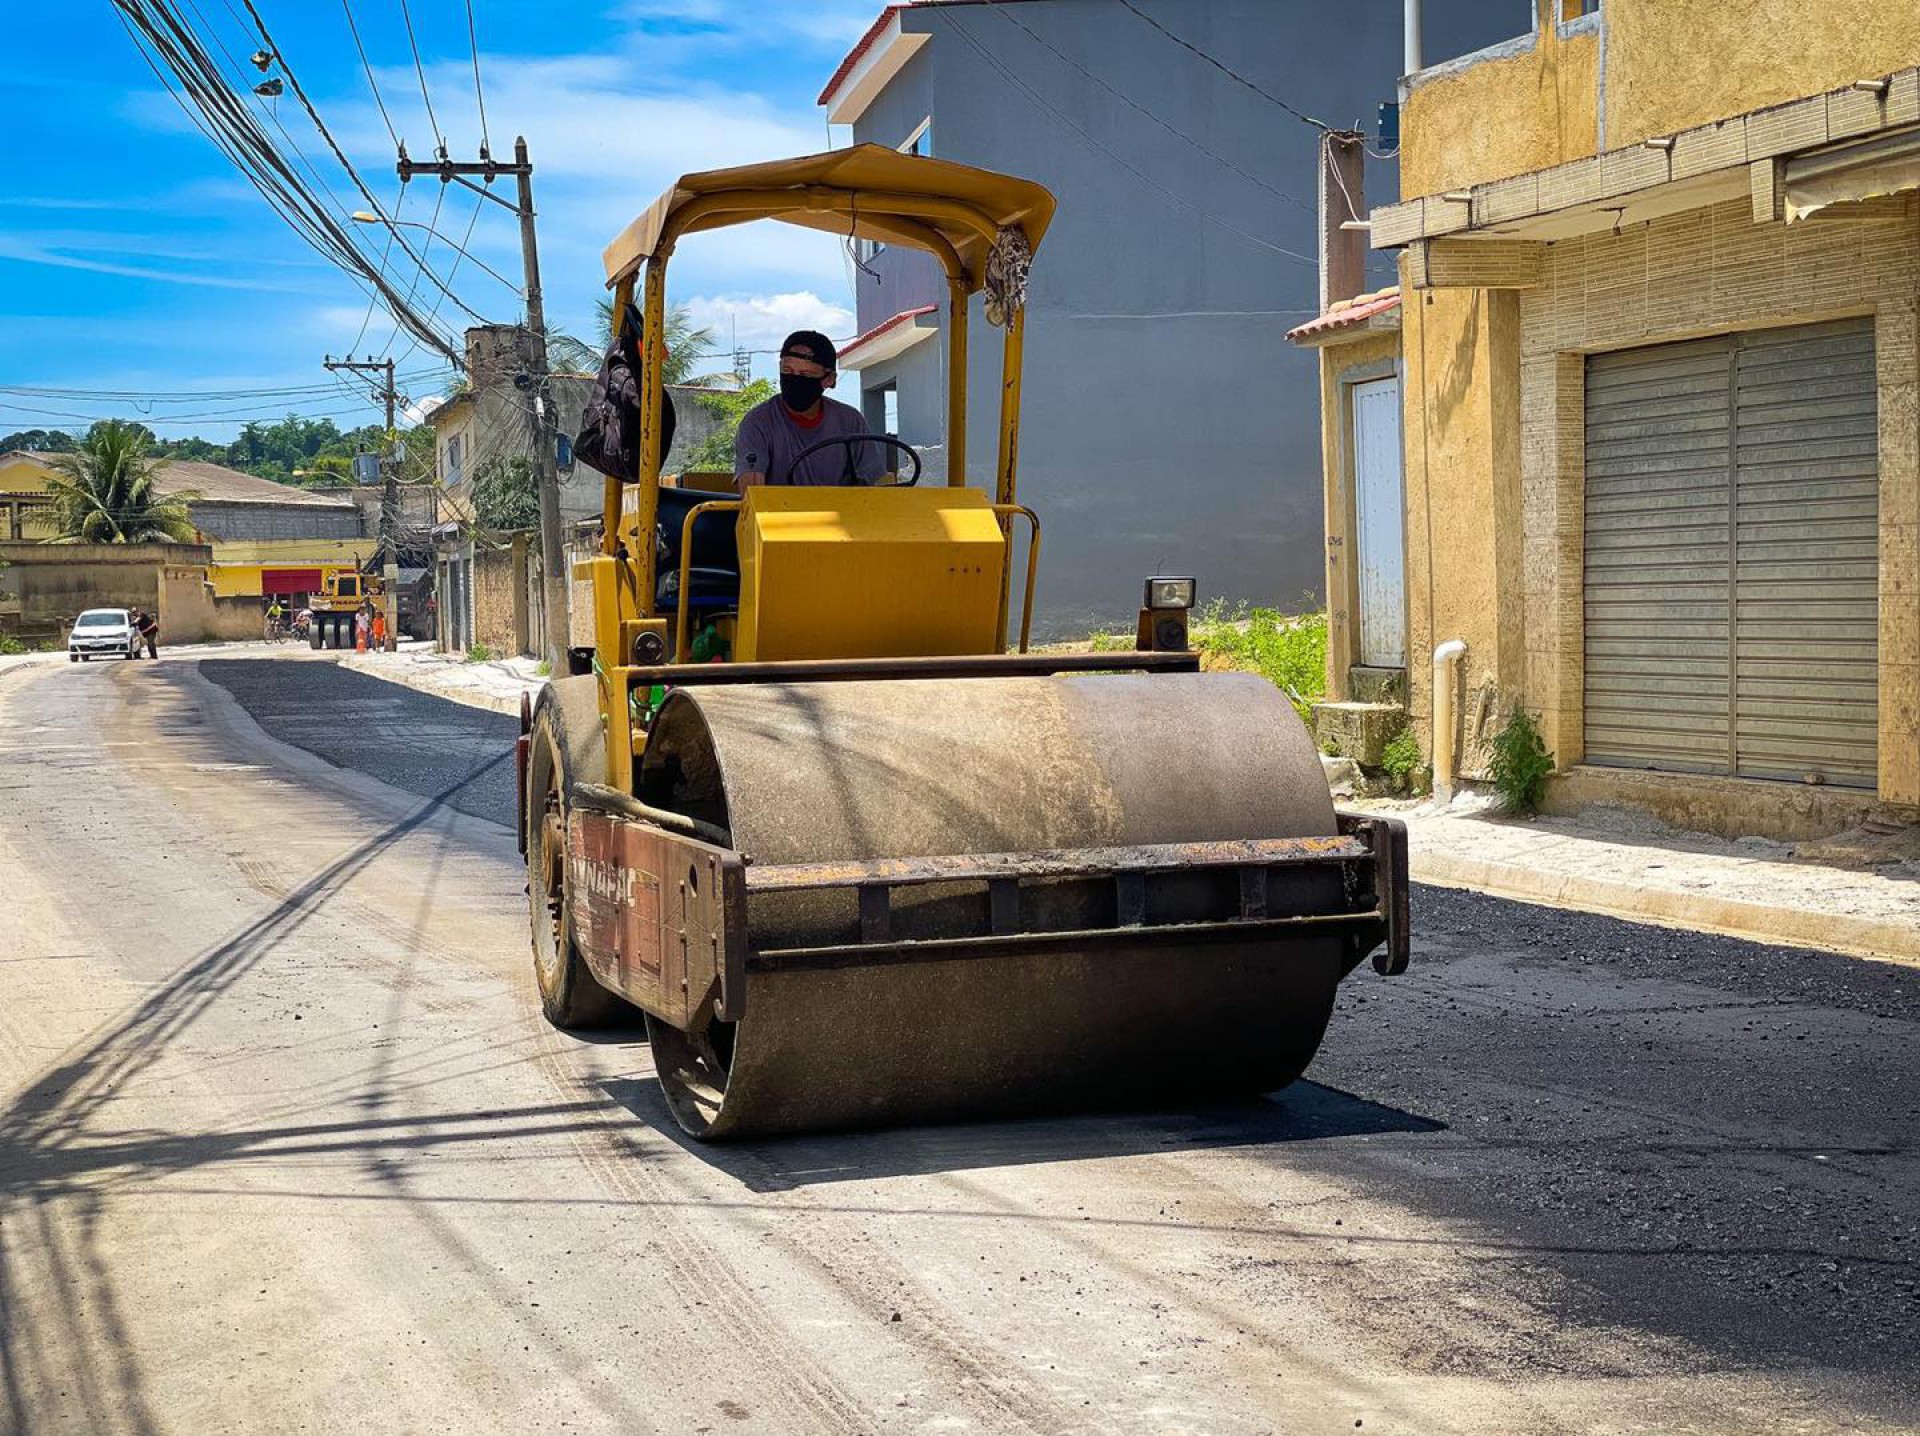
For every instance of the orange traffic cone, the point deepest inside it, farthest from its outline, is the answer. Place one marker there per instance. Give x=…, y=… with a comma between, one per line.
x=359, y=638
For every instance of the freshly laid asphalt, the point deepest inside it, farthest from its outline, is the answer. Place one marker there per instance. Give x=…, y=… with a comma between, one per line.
x=1701, y=1138
x=1566, y=1174
x=408, y=740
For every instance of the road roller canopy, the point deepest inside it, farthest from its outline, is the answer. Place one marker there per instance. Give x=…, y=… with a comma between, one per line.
x=867, y=191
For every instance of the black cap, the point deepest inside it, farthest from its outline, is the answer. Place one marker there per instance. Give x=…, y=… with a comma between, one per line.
x=811, y=344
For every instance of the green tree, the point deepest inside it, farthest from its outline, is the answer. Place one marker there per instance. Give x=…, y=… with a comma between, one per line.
x=104, y=491
x=504, y=497
x=45, y=441
x=729, y=407
x=195, y=450
x=686, y=345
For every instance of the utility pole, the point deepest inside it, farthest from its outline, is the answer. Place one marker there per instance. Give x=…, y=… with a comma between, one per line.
x=553, y=557
x=390, y=493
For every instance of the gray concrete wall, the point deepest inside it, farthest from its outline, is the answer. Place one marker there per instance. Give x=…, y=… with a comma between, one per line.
x=274, y=521
x=1168, y=425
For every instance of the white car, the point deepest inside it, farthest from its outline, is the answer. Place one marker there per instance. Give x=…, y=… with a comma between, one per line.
x=103, y=633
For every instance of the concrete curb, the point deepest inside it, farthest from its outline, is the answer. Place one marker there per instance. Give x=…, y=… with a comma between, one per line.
x=420, y=681
x=1880, y=939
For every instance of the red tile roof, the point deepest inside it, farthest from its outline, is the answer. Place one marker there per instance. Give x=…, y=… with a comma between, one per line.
x=860, y=48
x=905, y=316
x=1346, y=314
x=874, y=31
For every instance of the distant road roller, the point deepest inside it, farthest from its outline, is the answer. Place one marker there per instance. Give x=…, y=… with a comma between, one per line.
x=855, y=861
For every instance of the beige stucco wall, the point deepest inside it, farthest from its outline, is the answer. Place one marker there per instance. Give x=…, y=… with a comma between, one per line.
x=1676, y=63
x=497, y=579
x=1502, y=116
x=1464, y=544
x=43, y=587
x=1704, y=272
x=1669, y=65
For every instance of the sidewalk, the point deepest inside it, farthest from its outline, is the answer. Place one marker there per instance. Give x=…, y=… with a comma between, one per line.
x=496, y=684
x=10, y=662
x=1627, y=865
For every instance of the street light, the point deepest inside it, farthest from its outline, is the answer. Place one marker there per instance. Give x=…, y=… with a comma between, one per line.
x=367, y=216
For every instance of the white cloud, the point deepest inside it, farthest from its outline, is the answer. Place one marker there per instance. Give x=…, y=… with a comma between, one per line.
x=761, y=321
x=28, y=252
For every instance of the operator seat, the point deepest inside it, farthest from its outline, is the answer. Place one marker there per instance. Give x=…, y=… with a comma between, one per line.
x=713, y=578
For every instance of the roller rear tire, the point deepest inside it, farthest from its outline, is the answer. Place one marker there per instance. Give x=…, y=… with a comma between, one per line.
x=566, y=746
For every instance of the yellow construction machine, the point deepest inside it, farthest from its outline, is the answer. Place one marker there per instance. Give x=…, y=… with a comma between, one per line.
x=857, y=862
x=341, y=597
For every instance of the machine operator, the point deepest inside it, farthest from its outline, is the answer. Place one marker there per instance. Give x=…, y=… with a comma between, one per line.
x=772, y=433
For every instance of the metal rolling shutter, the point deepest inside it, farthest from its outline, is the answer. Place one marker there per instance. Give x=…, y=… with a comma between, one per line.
x=1732, y=537
x=1657, y=557
x=1807, y=555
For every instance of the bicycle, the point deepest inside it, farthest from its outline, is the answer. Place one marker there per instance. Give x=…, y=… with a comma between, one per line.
x=277, y=630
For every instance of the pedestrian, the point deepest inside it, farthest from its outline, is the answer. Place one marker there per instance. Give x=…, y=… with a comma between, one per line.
x=148, y=627
x=379, y=630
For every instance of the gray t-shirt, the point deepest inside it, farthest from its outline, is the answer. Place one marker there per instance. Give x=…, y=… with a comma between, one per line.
x=769, y=437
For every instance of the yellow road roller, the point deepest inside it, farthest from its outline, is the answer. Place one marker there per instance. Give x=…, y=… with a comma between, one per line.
x=857, y=858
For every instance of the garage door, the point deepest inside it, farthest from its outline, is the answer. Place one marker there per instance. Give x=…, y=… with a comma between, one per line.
x=1732, y=541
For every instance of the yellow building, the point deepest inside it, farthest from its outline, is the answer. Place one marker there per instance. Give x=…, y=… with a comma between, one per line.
x=1654, y=363
x=266, y=538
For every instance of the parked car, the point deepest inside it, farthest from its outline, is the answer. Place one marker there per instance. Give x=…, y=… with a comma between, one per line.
x=103, y=633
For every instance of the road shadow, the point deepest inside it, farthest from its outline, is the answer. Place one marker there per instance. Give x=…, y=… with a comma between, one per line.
x=1304, y=1112
x=59, y=1156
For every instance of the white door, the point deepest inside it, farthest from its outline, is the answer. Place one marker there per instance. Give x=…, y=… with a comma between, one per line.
x=1379, y=508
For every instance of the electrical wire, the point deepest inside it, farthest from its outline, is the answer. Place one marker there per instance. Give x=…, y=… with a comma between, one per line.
x=367, y=66
x=195, y=396
x=180, y=62
x=1171, y=129
x=479, y=97
x=954, y=25
x=419, y=69
x=347, y=164
x=386, y=252
x=1230, y=73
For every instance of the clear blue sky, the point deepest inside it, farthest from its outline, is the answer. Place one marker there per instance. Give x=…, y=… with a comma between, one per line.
x=135, y=257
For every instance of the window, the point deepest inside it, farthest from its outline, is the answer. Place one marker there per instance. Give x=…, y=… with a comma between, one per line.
x=890, y=410
x=454, y=456
x=920, y=142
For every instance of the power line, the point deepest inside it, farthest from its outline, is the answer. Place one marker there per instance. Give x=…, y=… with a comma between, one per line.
x=347, y=164
x=953, y=24
x=480, y=99
x=366, y=65
x=1231, y=74
x=421, y=70
x=181, y=63
x=386, y=252
x=1171, y=129
x=191, y=396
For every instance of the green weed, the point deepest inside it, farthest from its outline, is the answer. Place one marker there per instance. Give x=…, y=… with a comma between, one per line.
x=1288, y=651
x=10, y=645
x=1402, y=762
x=1521, y=763
x=480, y=653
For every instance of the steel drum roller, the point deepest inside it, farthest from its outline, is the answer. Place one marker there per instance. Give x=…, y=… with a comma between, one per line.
x=863, y=770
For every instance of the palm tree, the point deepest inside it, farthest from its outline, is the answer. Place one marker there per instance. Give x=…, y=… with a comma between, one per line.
x=686, y=346
x=105, y=492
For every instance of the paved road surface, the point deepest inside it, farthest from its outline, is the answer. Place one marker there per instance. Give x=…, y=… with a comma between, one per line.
x=285, y=1146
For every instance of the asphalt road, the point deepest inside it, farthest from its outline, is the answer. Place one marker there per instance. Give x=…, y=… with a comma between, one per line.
x=284, y=1145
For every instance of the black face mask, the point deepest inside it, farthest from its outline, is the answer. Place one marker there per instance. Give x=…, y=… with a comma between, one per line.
x=800, y=393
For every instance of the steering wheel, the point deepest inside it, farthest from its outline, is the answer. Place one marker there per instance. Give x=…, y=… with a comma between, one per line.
x=847, y=441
